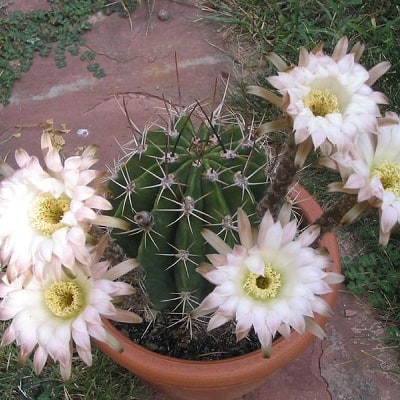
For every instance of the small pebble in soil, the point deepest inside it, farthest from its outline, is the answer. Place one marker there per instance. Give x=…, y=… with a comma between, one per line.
x=350, y=313
x=82, y=132
x=163, y=15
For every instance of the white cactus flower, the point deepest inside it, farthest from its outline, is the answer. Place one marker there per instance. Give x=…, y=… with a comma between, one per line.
x=52, y=316
x=271, y=281
x=45, y=213
x=371, y=170
x=329, y=98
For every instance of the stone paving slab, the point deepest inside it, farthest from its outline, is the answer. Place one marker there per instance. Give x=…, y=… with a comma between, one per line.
x=140, y=67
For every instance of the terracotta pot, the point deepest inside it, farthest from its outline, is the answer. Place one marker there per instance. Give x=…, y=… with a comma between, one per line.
x=231, y=378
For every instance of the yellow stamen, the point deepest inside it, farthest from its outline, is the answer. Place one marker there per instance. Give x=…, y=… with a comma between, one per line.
x=322, y=102
x=263, y=287
x=48, y=212
x=389, y=175
x=64, y=299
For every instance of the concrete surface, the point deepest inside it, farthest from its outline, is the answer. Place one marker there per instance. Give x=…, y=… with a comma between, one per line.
x=353, y=363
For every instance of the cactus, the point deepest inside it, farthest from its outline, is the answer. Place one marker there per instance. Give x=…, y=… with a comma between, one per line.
x=178, y=181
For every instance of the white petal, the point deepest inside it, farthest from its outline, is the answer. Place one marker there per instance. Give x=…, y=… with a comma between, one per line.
x=216, y=242
x=39, y=359
x=245, y=231
x=217, y=320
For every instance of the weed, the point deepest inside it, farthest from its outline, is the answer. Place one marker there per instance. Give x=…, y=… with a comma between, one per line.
x=60, y=26
x=374, y=273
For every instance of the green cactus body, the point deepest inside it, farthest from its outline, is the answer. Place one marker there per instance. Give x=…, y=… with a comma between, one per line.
x=176, y=186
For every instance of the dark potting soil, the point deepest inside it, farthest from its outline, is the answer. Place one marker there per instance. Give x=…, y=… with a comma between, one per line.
x=179, y=341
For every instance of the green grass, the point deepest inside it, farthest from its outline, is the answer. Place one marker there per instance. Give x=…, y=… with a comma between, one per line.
x=105, y=380
x=56, y=31
x=374, y=274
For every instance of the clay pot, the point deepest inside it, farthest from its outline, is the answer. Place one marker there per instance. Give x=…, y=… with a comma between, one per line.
x=230, y=378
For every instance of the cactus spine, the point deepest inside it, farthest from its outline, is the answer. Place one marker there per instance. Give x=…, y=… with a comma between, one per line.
x=177, y=182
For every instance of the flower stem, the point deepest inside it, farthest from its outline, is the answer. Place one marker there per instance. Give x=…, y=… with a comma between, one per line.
x=284, y=176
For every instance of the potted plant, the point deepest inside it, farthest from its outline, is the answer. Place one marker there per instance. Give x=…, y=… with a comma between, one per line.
x=218, y=237
x=227, y=378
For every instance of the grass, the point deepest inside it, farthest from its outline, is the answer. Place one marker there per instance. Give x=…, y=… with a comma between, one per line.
x=255, y=27
x=104, y=381
x=56, y=31
x=373, y=273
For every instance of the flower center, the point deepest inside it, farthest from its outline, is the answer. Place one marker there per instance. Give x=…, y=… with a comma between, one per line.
x=48, y=212
x=322, y=102
x=263, y=287
x=389, y=175
x=64, y=299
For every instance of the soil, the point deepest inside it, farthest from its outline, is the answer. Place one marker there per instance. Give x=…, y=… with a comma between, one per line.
x=166, y=336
